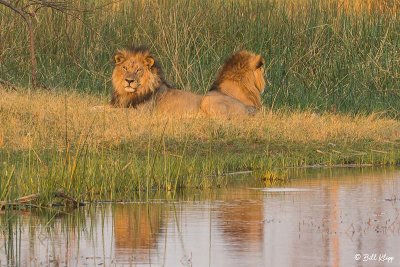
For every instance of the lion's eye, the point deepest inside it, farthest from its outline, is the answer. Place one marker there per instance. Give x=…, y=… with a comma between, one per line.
x=139, y=71
x=124, y=68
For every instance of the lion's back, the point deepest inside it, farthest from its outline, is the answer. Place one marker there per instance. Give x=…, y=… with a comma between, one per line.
x=175, y=101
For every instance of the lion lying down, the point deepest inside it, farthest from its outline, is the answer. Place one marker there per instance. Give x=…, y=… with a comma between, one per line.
x=138, y=82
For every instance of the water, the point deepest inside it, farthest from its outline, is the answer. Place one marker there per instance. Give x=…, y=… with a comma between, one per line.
x=334, y=217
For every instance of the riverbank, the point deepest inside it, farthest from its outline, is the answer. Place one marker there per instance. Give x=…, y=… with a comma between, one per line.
x=52, y=140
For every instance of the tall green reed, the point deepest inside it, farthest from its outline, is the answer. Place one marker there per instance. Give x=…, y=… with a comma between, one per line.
x=126, y=172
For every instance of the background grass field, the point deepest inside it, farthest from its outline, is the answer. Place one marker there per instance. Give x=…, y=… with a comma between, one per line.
x=335, y=55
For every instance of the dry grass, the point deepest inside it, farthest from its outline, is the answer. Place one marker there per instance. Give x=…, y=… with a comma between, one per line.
x=359, y=6
x=46, y=119
x=55, y=140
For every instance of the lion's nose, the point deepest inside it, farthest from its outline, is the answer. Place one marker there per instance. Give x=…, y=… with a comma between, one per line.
x=129, y=81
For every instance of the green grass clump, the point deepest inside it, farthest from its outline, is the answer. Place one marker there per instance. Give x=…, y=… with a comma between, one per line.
x=120, y=173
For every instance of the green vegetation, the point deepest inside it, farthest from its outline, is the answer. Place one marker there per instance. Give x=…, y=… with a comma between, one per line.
x=321, y=55
x=122, y=154
x=120, y=174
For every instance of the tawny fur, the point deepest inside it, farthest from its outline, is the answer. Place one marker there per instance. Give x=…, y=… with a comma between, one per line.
x=149, y=90
x=138, y=83
x=238, y=85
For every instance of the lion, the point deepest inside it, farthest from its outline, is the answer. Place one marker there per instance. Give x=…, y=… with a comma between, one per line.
x=138, y=82
x=238, y=86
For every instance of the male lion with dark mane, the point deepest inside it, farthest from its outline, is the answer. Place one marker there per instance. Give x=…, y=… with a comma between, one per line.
x=138, y=82
x=238, y=87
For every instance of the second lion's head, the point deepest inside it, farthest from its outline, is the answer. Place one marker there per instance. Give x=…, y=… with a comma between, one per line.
x=242, y=77
x=243, y=67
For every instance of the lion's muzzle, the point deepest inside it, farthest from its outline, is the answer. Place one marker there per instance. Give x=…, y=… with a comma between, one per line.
x=131, y=85
x=130, y=89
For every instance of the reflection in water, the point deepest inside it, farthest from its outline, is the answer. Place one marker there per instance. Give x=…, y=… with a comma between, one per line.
x=343, y=212
x=136, y=228
x=240, y=220
x=335, y=222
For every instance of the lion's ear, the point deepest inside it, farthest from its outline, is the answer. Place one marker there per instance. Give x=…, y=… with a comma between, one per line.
x=119, y=58
x=258, y=61
x=149, y=61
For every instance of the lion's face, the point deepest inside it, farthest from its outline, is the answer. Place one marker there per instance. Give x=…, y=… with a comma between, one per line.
x=132, y=75
x=132, y=71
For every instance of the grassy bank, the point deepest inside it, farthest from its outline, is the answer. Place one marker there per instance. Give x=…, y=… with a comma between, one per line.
x=51, y=140
x=321, y=55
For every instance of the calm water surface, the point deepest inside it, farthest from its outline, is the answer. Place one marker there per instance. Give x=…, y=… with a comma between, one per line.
x=340, y=217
